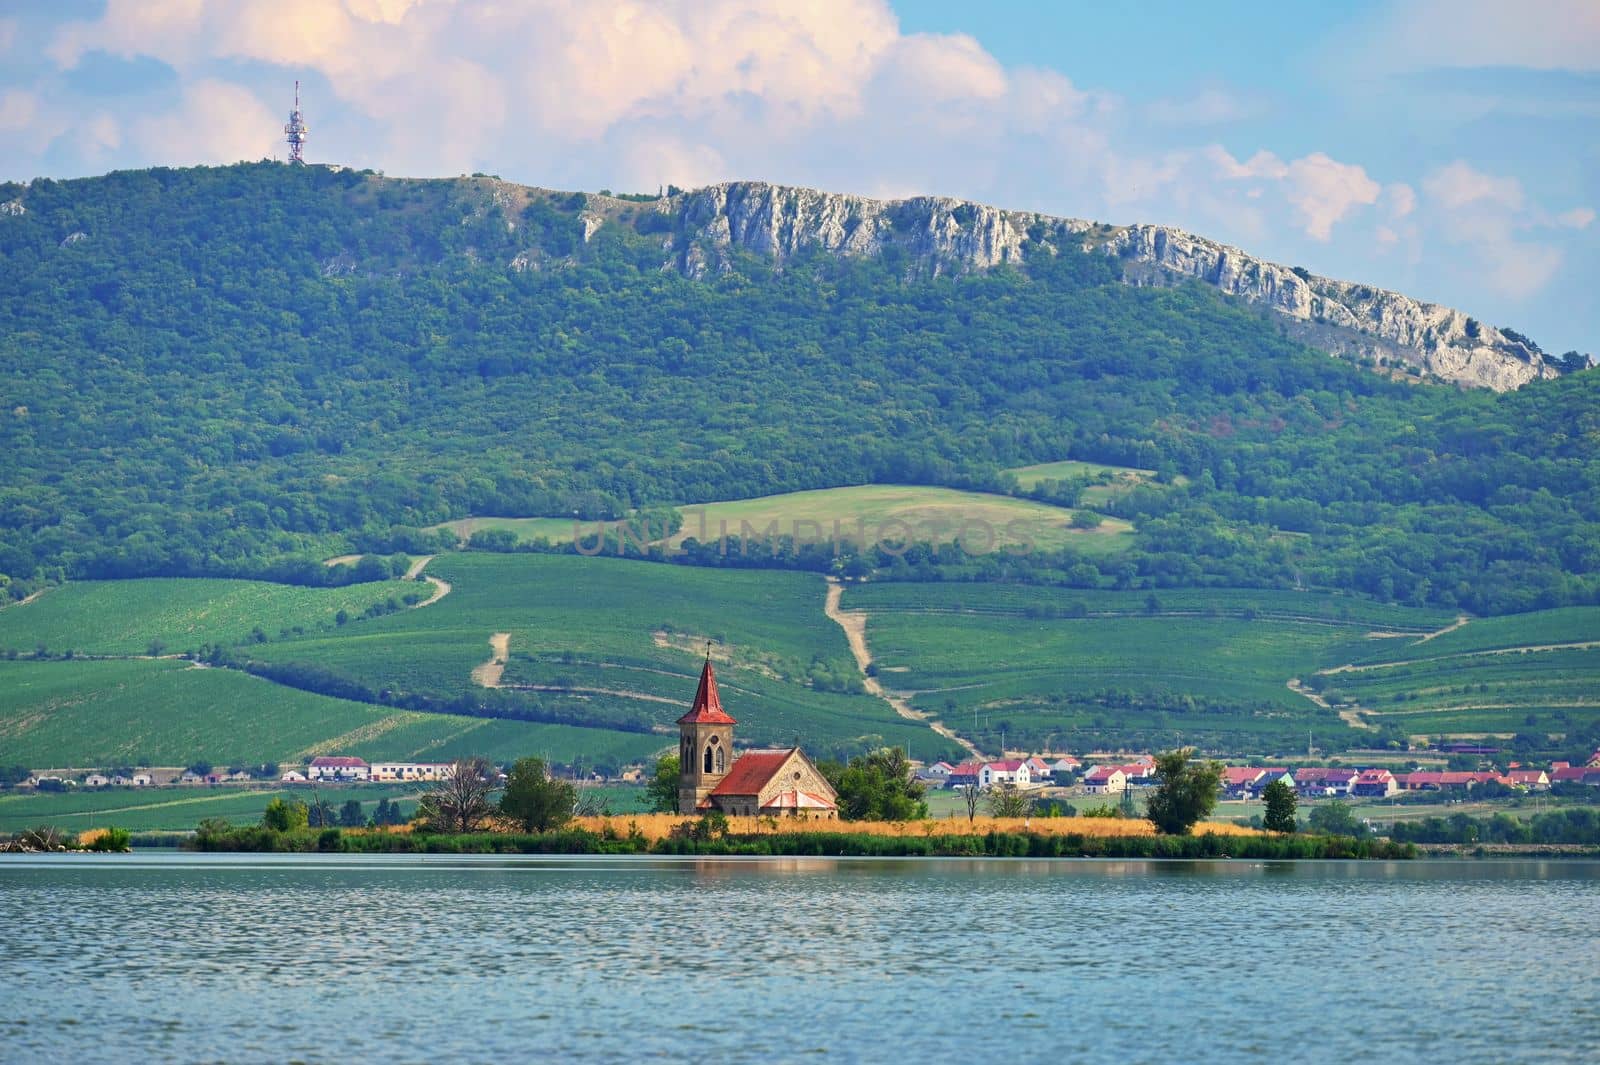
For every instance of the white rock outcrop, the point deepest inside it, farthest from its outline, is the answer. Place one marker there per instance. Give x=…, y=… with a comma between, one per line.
x=940, y=235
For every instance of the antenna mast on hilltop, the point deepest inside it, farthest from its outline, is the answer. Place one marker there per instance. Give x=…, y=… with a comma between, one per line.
x=296, y=131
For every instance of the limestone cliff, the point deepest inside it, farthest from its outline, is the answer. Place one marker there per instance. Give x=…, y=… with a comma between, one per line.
x=940, y=235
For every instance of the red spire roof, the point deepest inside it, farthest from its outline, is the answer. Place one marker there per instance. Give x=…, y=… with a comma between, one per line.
x=707, y=708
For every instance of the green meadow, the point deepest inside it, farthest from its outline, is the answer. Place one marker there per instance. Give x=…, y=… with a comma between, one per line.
x=603, y=653
x=862, y=513
x=125, y=617
x=1057, y=668
x=89, y=714
x=1533, y=673
x=620, y=642
x=175, y=809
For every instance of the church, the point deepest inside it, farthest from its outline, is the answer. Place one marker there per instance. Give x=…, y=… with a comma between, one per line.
x=755, y=783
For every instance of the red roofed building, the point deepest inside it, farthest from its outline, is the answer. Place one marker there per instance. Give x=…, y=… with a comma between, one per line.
x=712, y=777
x=335, y=767
x=1378, y=783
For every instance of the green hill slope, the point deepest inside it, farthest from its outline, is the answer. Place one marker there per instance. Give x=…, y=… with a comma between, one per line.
x=207, y=370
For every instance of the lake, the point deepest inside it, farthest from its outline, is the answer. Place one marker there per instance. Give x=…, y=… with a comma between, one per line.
x=178, y=957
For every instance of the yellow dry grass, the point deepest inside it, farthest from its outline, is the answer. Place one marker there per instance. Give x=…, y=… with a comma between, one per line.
x=659, y=826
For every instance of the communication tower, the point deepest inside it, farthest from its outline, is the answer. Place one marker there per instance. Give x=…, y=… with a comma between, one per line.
x=296, y=130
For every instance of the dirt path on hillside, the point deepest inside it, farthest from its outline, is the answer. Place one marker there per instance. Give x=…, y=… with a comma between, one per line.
x=25, y=600
x=1461, y=619
x=854, y=624
x=417, y=566
x=1582, y=645
x=1350, y=717
x=489, y=673
x=341, y=560
x=620, y=693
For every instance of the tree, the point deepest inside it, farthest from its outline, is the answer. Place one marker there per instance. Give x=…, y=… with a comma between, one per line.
x=283, y=816
x=1281, y=804
x=877, y=787
x=460, y=802
x=536, y=800
x=350, y=815
x=1008, y=800
x=1185, y=792
x=320, y=813
x=970, y=794
x=1334, y=818
x=662, y=790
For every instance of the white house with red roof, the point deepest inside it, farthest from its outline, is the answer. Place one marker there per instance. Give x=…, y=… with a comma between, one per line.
x=338, y=767
x=1379, y=783
x=758, y=782
x=1008, y=772
x=1238, y=779
x=1315, y=782
x=1105, y=780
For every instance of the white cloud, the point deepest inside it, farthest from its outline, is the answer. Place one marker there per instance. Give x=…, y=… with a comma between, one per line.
x=1519, y=268
x=19, y=110
x=8, y=33
x=1326, y=190
x=1209, y=107
x=1577, y=218
x=1541, y=35
x=1460, y=184
x=216, y=122
x=1400, y=200
x=1321, y=190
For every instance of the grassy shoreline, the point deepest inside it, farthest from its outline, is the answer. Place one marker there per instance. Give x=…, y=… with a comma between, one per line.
x=992, y=844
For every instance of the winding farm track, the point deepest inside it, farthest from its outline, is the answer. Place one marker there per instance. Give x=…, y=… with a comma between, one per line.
x=1350, y=717
x=1581, y=645
x=489, y=673
x=440, y=588
x=854, y=624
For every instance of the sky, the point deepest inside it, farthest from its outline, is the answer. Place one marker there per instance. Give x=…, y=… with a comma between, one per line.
x=1448, y=149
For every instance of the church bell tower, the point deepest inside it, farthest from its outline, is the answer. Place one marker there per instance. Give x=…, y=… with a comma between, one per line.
x=705, y=744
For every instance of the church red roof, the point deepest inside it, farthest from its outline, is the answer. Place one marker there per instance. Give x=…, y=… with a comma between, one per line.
x=707, y=708
x=751, y=771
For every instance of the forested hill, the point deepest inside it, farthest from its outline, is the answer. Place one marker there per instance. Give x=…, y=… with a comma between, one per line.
x=204, y=370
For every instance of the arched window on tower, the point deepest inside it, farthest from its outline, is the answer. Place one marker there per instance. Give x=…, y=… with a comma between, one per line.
x=708, y=760
x=722, y=764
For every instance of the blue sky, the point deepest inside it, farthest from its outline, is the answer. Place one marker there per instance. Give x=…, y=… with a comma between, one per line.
x=1449, y=149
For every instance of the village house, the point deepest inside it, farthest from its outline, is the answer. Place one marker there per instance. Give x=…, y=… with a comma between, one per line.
x=756, y=783
x=1237, y=780
x=96, y=780
x=964, y=775
x=292, y=776
x=1375, y=783
x=389, y=772
x=338, y=767
x=1009, y=772
x=1142, y=770
x=143, y=779
x=1065, y=764
x=1319, y=783
x=1105, y=780
x=1575, y=774
x=1268, y=776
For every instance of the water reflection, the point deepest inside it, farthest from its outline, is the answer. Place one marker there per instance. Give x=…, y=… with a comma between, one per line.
x=244, y=957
